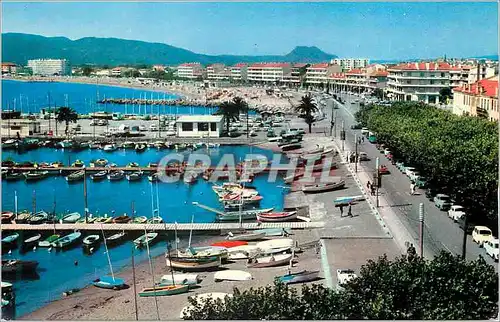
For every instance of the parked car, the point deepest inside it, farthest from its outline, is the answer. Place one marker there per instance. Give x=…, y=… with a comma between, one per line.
x=345, y=275
x=414, y=175
x=442, y=201
x=102, y=122
x=409, y=170
x=421, y=182
x=456, y=212
x=481, y=235
x=491, y=248
x=356, y=126
x=363, y=156
x=400, y=165
x=461, y=224
x=364, y=131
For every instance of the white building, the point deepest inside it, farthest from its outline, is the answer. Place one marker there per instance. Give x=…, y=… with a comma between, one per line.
x=218, y=72
x=350, y=63
x=23, y=128
x=190, y=70
x=318, y=73
x=239, y=72
x=199, y=126
x=50, y=67
x=268, y=72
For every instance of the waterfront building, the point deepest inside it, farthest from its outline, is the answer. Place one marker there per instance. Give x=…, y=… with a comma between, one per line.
x=190, y=70
x=158, y=68
x=116, y=72
x=8, y=68
x=296, y=76
x=350, y=63
x=477, y=99
x=239, y=72
x=20, y=128
x=199, y=126
x=317, y=74
x=268, y=72
x=218, y=72
x=103, y=72
x=419, y=81
x=359, y=79
x=50, y=67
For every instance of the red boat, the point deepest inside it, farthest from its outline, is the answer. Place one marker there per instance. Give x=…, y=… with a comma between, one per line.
x=277, y=216
x=230, y=243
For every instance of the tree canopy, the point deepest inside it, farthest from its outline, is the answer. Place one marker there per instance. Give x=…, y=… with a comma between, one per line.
x=66, y=115
x=409, y=287
x=307, y=108
x=458, y=154
x=231, y=110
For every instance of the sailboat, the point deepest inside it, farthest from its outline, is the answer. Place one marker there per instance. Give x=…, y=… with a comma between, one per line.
x=109, y=282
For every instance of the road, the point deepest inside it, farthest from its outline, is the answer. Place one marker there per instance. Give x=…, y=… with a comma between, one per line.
x=440, y=232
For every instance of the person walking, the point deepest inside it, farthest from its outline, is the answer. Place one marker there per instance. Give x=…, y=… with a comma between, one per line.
x=363, y=139
x=349, y=212
x=341, y=210
x=368, y=185
x=412, y=188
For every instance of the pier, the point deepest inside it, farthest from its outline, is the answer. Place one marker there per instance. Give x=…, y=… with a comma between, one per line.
x=162, y=227
x=167, y=102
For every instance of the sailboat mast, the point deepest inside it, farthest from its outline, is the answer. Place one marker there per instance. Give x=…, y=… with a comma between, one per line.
x=152, y=272
x=85, y=195
x=191, y=230
x=133, y=274
x=34, y=202
x=107, y=254
x=15, y=203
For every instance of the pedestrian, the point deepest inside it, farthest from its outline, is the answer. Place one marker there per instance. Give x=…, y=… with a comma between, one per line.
x=341, y=210
x=362, y=139
x=349, y=212
x=368, y=185
x=412, y=188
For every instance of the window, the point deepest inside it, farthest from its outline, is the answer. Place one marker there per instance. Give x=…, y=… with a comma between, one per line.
x=442, y=74
x=213, y=126
x=431, y=82
x=187, y=126
x=422, y=74
x=202, y=126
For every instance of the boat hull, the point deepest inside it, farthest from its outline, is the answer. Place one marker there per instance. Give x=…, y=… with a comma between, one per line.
x=301, y=277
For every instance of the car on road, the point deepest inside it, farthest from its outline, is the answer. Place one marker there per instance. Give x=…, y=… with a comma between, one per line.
x=491, y=248
x=442, y=201
x=345, y=275
x=481, y=235
x=93, y=123
x=365, y=131
x=356, y=126
x=363, y=156
x=102, y=122
x=409, y=170
x=456, y=212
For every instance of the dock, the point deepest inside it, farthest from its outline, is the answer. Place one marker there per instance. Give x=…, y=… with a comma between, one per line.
x=162, y=227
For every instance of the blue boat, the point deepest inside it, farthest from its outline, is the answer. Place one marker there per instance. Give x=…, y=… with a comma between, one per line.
x=343, y=201
x=300, y=277
x=109, y=282
x=67, y=240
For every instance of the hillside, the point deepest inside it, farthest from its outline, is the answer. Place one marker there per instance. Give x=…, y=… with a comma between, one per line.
x=18, y=48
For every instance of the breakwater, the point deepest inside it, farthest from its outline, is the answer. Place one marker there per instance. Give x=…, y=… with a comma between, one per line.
x=167, y=102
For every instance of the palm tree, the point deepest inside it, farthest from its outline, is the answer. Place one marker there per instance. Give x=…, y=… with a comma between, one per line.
x=230, y=113
x=241, y=106
x=67, y=115
x=306, y=109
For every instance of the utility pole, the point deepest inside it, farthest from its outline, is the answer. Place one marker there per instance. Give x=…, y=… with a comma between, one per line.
x=48, y=110
x=377, y=178
x=133, y=272
x=332, y=122
x=335, y=125
x=342, y=135
x=356, y=153
x=85, y=194
x=421, y=228
x=464, y=242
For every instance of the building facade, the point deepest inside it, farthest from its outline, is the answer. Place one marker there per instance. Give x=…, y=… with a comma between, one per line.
x=50, y=67
x=20, y=128
x=8, y=68
x=218, y=72
x=477, y=99
x=317, y=74
x=350, y=63
x=190, y=71
x=296, y=76
x=199, y=126
x=359, y=79
x=268, y=72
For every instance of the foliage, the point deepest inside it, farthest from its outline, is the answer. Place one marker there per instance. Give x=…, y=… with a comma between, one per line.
x=230, y=111
x=241, y=106
x=307, y=108
x=445, y=94
x=66, y=115
x=458, y=154
x=409, y=287
x=131, y=73
x=86, y=70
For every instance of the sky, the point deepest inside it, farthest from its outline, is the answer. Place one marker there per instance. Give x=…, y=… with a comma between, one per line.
x=371, y=30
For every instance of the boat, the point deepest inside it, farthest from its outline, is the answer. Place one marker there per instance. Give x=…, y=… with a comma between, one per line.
x=15, y=266
x=9, y=144
x=321, y=187
x=291, y=178
x=279, y=243
x=164, y=290
x=132, y=165
x=11, y=239
x=13, y=176
x=277, y=216
x=153, y=177
x=67, y=240
x=269, y=261
x=202, y=252
x=200, y=299
x=7, y=217
x=91, y=240
x=65, y=144
x=109, y=282
x=344, y=201
x=148, y=238
x=110, y=148
x=134, y=176
x=75, y=176
x=78, y=164
x=23, y=217
x=101, y=175
x=187, y=264
x=140, y=220
x=116, y=175
x=36, y=175
x=242, y=252
x=121, y=219
x=270, y=232
x=180, y=278
x=98, y=163
x=236, y=216
x=232, y=275
x=229, y=243
x=49, y=240
x=31, y=241
x=89, y=220
x=56, y=164
x=247, y=236
x=140, y=148
x=128, y=145
x=71, y=218
x=103, y=220
x=38, y=218
x=291, y=146
x=116, y=239
x=155, y=220
x=300, y=277
x=231, y=202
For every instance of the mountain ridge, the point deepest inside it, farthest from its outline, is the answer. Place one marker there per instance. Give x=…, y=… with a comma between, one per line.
x=20, y=47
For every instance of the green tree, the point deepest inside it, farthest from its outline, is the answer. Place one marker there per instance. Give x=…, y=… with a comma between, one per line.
x=230, y=112
x=409, y=287
x=445, y=94
x=306, y=109
x=87, y=70
x=241, y=106
x=66, y=115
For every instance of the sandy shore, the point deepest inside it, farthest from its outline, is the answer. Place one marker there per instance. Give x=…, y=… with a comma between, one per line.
x=93, y=303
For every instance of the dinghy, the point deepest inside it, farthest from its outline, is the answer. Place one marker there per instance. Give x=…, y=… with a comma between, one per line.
x=116, y=239
x=116, y=175
x=148, y=238
x=140, y=220
x=155, y=220
x=277, y=216
x=91, y=240
x=10, y=239
x=109, y=282
x=180, y=278
x=203, y=252
x=321, y=187
x=276, y=244
x=230, y=243
x=270, y=232
x=15, y=266
x=67, y=240
x=121, y=219
x=7, y=217
x=247, y=236
x=300, y=277
x=71, y=218
x=34, y=176
x=232, y=275
x=101, y=175
x=188, y=264
x=32, y=241
x=75, y=176
x=243, y=252
x=269, y=261
x=49, y=240
x=164, y=290
x=38, y=218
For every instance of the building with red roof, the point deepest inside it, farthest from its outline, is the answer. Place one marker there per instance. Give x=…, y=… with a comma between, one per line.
x=318, y=73
x=268, y=72
x=363, y=79
x=190, y=70
x=239, y=72
x=477, y=99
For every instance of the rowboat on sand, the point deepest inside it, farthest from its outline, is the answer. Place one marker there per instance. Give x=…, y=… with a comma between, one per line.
x=246, y=236
x=269, y=261
x=299, y=277
x=232, y=275
x=187, y=264
x=230, y=243
x=180, y=278
x=321, y=187
x=277, y=216
x=164, y=290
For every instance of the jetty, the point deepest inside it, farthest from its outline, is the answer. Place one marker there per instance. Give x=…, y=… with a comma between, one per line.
x=162, y=227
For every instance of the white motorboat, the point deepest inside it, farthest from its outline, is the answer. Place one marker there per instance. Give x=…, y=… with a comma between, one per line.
x=232, y=275
x=270, y=261
x=242, y=252
x=110, y=147
x=181, y=278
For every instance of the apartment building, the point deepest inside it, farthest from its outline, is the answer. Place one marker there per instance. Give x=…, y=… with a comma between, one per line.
x=8, y=68
x=420, y=81
x=317, y=74
x=348, y=64
x=239, y=72
x=268, y=72
x=50, y=67
x=359, y=79
x=190, y=70
x=218, y=72
x=296, y=75
x=477, y=99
